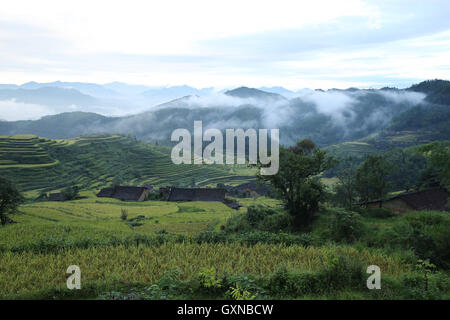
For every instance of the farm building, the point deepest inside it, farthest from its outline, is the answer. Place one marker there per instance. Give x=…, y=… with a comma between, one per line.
x=149, y=187
x=56, y=197
x=253, y=189
x=106, y=192
x=164, y=192
x=125, y=193
x=196, y=194
x=430, y=199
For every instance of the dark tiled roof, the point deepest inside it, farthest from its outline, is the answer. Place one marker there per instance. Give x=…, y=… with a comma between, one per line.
x=56, y=197
x=128, y=193
x=147, y=186
x=106, y=192
x=196, y=194
x=430, y=199
x=260, y=188
x=123, y=193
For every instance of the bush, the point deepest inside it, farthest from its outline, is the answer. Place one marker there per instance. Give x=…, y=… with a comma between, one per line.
x=276, y=222
x=339, y=272
x=124, y=214
x=427, y=233
x=293, y=283
x=259, y=218
x=255, y=214
x=342, y=271
x=381, y=213
x=346, y=226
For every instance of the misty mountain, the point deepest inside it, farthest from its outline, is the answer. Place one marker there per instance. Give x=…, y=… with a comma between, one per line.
x=92, y=89
x=327, y=117
x=126, y=89
x=33, y=100
x=49, y=96
x=285, y=92
x=159, y=95
x=64, y=125
x=437, y=91
x=244, y=92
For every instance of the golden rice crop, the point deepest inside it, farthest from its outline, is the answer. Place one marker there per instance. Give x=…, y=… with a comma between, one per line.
x=27, y=272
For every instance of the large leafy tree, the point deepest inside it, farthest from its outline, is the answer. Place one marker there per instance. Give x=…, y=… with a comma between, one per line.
x=296, y=181
x=345, y=189
x=372, y=179
x=438, y=156
x=10, y=199
x=70, y=193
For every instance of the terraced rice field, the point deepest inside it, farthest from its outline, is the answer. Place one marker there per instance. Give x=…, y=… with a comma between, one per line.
x=104, y=214
x=34, y=163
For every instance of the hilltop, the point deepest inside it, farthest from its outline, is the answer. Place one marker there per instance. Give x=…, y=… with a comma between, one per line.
x=327, y=117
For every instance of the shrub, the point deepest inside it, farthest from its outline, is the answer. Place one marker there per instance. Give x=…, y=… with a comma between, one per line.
x=381, y=213
x=208, y=278
x=426, y=233
x=293, y=283
x=346, y=226
x=342, y=271
x=256, y=214
x=124, y=214
x=259, y=218
x=276, y=222
x=241, y=294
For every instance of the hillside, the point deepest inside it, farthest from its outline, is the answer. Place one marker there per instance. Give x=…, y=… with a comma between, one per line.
x=244, y=92
x=388, y=115
x=48, y=96
x=91, y=162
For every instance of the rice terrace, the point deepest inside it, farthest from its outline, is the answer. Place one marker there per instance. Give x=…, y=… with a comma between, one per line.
x=163, y=248
x=220, y=156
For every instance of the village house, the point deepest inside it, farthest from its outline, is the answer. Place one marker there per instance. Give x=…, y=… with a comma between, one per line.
x=56, y=197
x=149, y=187
x=125, y=193
x=430, y=199
x=196, y=194
x=250, y=189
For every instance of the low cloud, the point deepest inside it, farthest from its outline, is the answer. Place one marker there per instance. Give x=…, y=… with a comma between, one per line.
x=11, y=110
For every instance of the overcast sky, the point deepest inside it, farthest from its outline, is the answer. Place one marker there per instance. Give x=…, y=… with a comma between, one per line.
x=295, y=44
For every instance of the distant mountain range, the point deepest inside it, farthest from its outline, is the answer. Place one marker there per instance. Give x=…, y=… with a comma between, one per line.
x=33, y=100
x=327, y=117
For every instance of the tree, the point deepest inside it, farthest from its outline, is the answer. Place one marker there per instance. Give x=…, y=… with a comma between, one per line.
x=406, y=167
x=70, y=193
x=296, y=181
x=10, y=199
x=371, y=179
x=117, y=181
x=345, y=189
x=438, y=158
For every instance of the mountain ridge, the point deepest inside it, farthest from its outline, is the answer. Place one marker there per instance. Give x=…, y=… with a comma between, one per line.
x=327, y=117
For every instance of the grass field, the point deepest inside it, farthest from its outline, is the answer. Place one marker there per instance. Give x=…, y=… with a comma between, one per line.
x=196, y=249
x=121, y=255
x=125, y=265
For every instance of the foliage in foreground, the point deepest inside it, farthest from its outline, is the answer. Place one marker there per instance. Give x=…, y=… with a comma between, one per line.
x=263, y=269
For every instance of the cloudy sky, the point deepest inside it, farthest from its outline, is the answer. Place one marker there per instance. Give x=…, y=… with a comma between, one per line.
x=295, y=44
